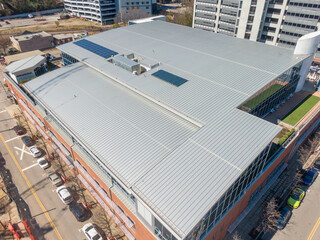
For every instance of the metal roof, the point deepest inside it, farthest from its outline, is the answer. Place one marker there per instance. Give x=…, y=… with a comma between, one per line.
x=178, y=148
x=25, y=63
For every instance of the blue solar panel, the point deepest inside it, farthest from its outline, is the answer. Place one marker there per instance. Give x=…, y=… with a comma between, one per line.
x=169, y=77
x=95, y=48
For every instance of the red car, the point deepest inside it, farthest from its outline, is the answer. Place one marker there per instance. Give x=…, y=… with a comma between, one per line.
x=18, y=130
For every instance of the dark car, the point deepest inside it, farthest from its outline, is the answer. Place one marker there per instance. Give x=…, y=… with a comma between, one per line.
x=7, y=22
x=285, y=215
x=18, y=130
x=309, y=176
x=78, y=211
x=316, y=165
x=27, y=141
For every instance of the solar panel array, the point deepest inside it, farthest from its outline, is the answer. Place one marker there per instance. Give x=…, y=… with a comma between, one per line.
x=95, y=48
x=169, y=77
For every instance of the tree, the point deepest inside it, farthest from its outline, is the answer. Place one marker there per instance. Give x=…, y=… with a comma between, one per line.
x=271, y=216
x=125, y=16
x=236, y=236
x=308, y=149
x=4, y=43
x=57, y=23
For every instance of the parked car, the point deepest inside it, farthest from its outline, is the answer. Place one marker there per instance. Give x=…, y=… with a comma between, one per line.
x=285, y=215
x=18, y=130
x=78, y=211
x=90, y=232
x=316, y=165
x=310, y=176
x=7, y=22
x=54, y=178
x=43, y=163
x=27, y=141
x=64, y=194
x=30, y=15
x=296, y=198
x=35, y=152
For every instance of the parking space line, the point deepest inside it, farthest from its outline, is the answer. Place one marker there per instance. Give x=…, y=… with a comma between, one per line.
x=32, y=189
x=11, y=139
x=31, y=166
x=22, y=151
x=3, y=111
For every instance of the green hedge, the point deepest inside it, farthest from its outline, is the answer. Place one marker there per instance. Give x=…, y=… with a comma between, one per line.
x=285, y=137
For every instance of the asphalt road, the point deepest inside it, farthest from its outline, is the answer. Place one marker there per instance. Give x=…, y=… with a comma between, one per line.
x=305, y=220
x=53, y=217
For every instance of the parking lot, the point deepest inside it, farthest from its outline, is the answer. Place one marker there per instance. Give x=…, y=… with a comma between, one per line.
x=21, y=22
x=53, y=218
x=305, y=220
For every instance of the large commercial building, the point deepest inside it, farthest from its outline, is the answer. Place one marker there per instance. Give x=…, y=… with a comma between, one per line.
x=275, y=22
x=168, y=135
x=105, y=11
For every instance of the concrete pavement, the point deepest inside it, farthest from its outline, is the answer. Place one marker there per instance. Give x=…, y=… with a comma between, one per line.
x=304, y=223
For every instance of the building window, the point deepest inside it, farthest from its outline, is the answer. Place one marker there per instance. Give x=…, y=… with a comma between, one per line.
x=133, y=226
x=97, y=182
x=105, y=191
x=84, y=168
x=78, y=162
x=120, y=209
x=147, y=7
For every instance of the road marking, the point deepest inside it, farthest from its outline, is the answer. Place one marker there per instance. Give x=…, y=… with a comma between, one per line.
x=3, y=111
x=31, y=166
x=314, y=229
x=22, y=151
x=11, y=139
x=32, y=190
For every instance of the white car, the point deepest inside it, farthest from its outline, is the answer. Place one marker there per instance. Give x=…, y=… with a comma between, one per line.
x=90, y=232
x=64, y=194
x=35, y=151
x=43, y=163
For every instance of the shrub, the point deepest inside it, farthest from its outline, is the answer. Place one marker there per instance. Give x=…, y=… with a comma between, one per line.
x=285, y=137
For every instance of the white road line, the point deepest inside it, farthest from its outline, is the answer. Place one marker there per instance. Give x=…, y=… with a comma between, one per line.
x=22, y=150
x=17, y=152
x=23, y=147
x=31, y=166
x=13, y=138
x=3, y=111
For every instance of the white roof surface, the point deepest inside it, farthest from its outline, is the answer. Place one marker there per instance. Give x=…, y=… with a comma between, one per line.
x=178, y=148
x=25, y=64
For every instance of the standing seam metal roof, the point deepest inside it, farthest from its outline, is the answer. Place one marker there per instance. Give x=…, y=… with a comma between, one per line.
x=184, y=176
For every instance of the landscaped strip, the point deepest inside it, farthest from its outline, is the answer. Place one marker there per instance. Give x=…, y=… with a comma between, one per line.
x=301, y=110
x=262, y=96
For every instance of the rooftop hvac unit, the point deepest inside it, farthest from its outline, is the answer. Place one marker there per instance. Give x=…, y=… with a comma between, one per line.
x=127, y=64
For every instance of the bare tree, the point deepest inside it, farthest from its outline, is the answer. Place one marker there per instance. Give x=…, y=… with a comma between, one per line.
x=236, y=236
x=308, y=149
x=126, y=15
x=4, y=43
x=271, y=216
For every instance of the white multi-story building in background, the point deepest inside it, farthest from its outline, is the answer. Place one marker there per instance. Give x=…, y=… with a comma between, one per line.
x=275, y=22
x=105, y=11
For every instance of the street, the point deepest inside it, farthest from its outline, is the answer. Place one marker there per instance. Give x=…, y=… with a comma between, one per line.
x=54, y=219
x=305, y=220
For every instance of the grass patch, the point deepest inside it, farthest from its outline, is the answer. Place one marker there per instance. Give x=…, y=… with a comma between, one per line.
x=302, y=109
x=262, y=96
